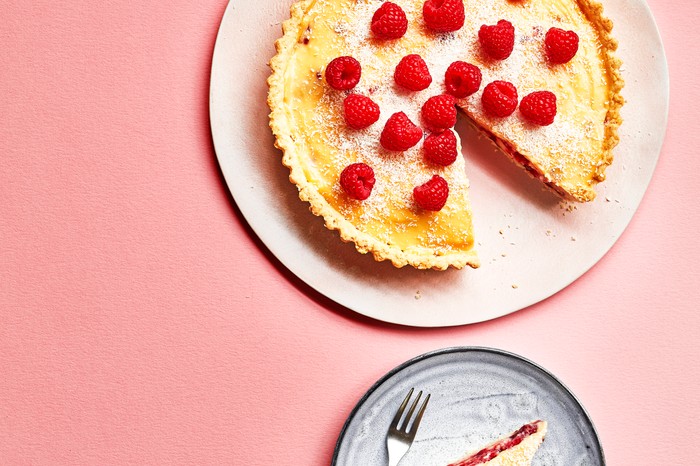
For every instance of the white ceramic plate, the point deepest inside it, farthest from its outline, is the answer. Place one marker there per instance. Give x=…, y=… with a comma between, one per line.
x=531, y=245
x=476, y=396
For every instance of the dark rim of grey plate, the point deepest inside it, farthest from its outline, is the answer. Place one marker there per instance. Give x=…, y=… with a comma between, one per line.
x=463, y=349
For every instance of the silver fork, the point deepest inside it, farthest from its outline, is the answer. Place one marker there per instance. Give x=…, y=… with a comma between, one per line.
x=400, y=438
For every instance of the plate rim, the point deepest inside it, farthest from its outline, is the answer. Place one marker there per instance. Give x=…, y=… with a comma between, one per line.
x=455, y=350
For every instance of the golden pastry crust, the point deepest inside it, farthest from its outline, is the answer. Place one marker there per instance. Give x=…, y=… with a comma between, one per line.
x=418, y=256
x=594, y=13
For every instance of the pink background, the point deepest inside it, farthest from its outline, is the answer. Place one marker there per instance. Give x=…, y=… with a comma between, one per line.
x=141, y=321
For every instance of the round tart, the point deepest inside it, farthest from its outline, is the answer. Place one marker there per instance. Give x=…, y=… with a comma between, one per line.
x=556, y=115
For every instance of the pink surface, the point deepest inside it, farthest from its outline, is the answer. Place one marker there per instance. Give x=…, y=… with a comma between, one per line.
x=142, y=322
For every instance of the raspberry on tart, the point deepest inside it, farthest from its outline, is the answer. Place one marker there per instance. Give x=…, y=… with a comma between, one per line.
x=389, y=21
x=498, y=40
x=400, y=134
x=462, y=79
x=515, y=449
x=439, y=112
x=412, y=73
x=560, y=45
x=539, y=107
x=357, y=180
x=443, y=15
x=343, y=73
x=441, y=148
x=433, y=194
x=360, y=111
x=500, y=99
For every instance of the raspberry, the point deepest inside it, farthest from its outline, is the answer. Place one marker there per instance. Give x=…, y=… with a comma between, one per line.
x=400, y=133
x=539, y=107
x=439, y=112
x=560, y=45
x=360, y=111
x=389, y=21
x=432, y=195
x=343, y=73
x=497, y=41
x=500, y=99
x=357, y=180
x=412, y=73
x=443, y=15
x=462, y=79
x=441, y=148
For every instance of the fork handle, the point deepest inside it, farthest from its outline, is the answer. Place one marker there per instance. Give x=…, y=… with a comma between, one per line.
x=396, y=453
x=394, y=461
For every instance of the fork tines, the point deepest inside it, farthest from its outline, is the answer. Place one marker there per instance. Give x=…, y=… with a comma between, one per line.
x=416, y=422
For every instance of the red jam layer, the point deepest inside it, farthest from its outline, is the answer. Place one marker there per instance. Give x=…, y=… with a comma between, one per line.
x=490, y=452
x=521, y=160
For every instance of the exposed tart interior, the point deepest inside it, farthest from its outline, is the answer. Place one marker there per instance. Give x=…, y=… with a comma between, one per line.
x=570, y=156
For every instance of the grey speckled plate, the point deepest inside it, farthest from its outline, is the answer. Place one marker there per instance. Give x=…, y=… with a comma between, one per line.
x=477, y=395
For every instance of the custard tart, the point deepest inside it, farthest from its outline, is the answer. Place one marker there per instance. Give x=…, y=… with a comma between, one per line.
x=364, y=94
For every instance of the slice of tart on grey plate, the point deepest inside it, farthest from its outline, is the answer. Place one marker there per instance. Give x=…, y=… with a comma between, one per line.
x=515, y=449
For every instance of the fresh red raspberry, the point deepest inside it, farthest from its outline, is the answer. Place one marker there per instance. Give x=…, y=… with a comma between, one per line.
x=500, y=99
x=357, y=180
x=441, y=148
x=539, y=107
x=412, y=73
x=443, y=15
x=360, y=111
x=560, y=45
x=389, y=21
x=439, y=112
x=343, y=73
x=433, y=194
x=400, y=133
x=497, y=41
x=462, y=79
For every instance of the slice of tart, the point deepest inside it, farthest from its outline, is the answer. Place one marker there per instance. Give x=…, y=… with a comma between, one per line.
x=376, y=203
x=516, y=449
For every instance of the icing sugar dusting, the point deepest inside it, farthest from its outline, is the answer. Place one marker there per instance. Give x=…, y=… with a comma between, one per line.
x=526, y=68
x=400, y=172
